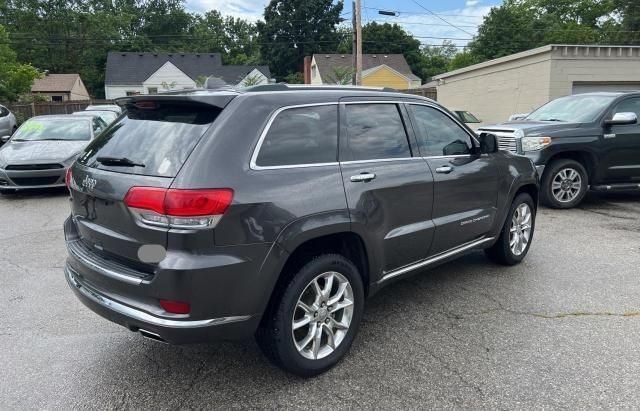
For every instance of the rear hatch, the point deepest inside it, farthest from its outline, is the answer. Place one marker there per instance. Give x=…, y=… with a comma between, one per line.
x=145, y=147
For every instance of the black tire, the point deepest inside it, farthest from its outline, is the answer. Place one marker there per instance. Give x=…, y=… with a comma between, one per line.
x=275, y=334
x=501, y=252
x=552, y=171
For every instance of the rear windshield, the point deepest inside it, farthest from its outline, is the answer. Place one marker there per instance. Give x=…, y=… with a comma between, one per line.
x=154, y=140
x=39, y=129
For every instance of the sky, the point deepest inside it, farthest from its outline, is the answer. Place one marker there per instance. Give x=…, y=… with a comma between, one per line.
x=413, y=15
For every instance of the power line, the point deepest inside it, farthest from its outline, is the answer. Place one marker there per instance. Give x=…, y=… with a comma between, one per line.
x=441, y=18
x=431, y=13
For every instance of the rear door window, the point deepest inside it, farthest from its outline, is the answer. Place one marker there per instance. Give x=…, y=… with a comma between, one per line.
x=301, y=136
x=375, y=132
x=158, y=137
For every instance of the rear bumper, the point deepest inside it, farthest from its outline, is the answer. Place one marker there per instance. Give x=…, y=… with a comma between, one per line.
x=226, y=289
x=174, y=331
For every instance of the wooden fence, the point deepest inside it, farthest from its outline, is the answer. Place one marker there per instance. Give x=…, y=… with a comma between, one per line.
x=429, y=93
x=24, y=111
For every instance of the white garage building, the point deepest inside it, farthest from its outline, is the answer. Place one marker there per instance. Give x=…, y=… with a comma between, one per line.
x=495, y=89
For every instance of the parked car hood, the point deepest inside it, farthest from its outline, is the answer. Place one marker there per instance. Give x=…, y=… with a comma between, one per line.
x=531, y=126
x=34, y=152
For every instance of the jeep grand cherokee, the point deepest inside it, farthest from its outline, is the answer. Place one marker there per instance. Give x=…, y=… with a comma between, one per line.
x=277, y=210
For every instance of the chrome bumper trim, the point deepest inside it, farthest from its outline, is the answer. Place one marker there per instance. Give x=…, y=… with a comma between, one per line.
x=434, y=259
x=103, y=270
x=142, y=316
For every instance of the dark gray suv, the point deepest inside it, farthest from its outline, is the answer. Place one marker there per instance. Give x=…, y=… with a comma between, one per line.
x=277, y=210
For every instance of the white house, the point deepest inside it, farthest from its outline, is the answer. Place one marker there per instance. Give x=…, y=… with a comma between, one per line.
x=151, y=73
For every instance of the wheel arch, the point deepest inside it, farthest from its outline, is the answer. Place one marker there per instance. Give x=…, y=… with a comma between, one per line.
x=305, y=239
x=586, y=158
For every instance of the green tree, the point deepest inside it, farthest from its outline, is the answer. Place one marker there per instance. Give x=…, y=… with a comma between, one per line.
x=15, y=78
x=393, y=39
x=293, y=29
x=462, y=59
x=436, y=59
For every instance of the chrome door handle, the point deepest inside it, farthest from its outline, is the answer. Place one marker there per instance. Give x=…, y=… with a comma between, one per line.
x=444, y=169
x=363, y=177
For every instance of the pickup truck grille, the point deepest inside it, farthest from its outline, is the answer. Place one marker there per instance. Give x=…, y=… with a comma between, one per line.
x=506, y=139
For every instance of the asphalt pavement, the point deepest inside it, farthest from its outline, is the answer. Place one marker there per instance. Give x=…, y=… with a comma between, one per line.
x=561, y=330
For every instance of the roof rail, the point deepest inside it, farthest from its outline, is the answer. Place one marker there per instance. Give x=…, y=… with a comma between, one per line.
x=286, y=87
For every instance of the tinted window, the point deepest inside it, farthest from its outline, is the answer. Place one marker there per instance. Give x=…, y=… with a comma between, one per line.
x=631, y=105
x=376, y=131
x=161, y=138
x=304, y=135
x=69, y=129
x=438, y=134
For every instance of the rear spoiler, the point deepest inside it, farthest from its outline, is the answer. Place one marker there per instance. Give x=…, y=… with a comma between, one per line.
x=217, y=99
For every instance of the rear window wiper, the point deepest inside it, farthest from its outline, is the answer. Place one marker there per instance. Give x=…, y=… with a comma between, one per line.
x=118, y=162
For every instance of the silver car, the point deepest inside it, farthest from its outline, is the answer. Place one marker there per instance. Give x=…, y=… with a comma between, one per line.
x=8, y=124
x=100, y=107
x=40, y=151
x=107, y=115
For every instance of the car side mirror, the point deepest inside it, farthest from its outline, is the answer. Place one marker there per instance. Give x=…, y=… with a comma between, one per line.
x=488, y=143
x=4, y=139
x=622, y=119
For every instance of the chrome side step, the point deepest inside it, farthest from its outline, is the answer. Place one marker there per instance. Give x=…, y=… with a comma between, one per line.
x=434, y=259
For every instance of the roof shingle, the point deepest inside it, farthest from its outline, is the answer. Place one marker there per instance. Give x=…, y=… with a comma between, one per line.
x=128, y=68
x=55, y=83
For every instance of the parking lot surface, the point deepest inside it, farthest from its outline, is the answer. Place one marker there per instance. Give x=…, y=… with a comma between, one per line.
x=560, y=330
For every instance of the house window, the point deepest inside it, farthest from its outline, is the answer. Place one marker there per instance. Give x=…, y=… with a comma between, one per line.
x=153, y=90
x=56, y=98
x=133, y=93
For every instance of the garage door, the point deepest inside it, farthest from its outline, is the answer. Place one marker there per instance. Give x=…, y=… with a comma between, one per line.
x=588, y=87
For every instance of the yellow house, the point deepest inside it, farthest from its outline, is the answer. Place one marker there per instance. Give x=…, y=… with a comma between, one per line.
x=385, y=76
x=379, y=70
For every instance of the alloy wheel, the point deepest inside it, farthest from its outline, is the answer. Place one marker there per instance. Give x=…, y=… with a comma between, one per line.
x=566, y=185
x=520, y=231
x=322, y=316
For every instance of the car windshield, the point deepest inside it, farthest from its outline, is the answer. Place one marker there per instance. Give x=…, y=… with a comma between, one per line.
x=573, y=109
x=68, y=129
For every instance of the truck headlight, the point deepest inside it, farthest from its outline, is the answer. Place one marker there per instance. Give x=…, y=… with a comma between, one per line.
x=535, y=143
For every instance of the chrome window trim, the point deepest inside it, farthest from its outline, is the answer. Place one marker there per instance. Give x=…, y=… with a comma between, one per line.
x=256, y=151
x=455, y=120
x=378, y=160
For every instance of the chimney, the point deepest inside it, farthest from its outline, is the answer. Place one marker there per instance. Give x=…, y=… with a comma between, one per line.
x=307, y=70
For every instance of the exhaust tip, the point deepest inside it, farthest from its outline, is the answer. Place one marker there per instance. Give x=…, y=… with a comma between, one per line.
x=151, y=336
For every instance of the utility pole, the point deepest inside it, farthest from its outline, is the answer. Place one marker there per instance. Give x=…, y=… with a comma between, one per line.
x=357, y=43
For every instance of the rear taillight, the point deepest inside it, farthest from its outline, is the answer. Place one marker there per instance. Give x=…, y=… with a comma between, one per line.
x=68, y=176
x=179, y=208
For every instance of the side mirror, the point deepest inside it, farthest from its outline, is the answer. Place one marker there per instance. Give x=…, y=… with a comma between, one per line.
x=4, y=139
x=622, y=119
x=488, y=143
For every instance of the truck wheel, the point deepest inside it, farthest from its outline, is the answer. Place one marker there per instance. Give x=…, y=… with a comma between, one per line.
x=516, y=235
x=564, y=184
x=314, y=321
